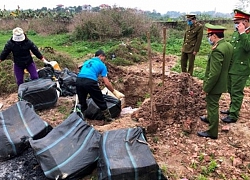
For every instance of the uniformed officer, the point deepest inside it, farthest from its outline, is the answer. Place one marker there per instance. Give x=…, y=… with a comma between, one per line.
x=240, y=66
x=191, y=43
x=216, y=77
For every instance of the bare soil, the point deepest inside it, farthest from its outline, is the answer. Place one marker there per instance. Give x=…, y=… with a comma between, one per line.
x=171, y=119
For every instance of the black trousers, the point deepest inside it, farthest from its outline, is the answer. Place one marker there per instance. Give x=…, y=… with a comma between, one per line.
x=85, y=86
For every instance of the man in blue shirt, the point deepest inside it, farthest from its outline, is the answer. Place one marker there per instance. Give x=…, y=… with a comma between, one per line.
x=87, y=83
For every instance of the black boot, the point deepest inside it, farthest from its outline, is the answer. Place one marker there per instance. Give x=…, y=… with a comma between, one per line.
x=225, y=112
x=107, y=116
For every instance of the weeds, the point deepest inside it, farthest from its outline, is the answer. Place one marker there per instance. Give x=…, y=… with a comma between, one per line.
x=245, y=177
x=164, y=169
x=155, y=139
x=193, y=165
x=201, y=177
x=201, y=157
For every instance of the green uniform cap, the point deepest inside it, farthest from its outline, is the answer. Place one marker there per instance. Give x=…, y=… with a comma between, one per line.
x=214, y=28
x=238, y=14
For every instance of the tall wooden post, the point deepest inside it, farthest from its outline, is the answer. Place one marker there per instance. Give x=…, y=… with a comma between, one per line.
x=150, y=77
x=164, y=53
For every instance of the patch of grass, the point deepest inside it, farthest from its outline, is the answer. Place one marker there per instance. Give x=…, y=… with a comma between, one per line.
x=193, y=165
x=121, y=62
x=155, y=139
x=245, y=177
x=201, y=157
x=201, y=177
x=62, y=109
x=164, y=169
x=212, y=166
x=147, y=95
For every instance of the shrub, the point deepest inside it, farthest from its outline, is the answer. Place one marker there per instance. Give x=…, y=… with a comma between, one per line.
x=112, y=23
x=48, y=26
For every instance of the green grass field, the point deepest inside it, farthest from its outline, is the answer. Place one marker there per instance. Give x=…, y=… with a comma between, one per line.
x=79, y=50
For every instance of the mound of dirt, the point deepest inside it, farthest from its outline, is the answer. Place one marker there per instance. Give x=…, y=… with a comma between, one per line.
x=181, y=100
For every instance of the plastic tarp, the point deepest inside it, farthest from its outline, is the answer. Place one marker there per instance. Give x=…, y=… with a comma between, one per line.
x=93, y=111
x=67, y=81
x=69, y=150
x=125, y=155
x=41, y=93
x=18, y=123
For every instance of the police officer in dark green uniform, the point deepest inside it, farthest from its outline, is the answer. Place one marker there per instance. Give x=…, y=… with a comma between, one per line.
x=191, y=43
x=216, y=77
x=240, y=66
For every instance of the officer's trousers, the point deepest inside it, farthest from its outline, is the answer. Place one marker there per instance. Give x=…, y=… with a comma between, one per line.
x=236, y=86
x=213, y=113
x=187, y=58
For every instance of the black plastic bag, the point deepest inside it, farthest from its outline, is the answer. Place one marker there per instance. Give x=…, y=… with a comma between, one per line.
x=70, y=150
x=18, y=123
x=93, y=111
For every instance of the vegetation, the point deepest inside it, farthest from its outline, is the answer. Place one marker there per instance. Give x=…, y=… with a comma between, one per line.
x=120, y=33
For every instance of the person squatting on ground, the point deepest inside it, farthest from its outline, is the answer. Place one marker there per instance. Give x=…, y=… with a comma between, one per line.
x=87, y=83
x=216, y=77
x=20, y=46
x=239, y=69
x=191, y=43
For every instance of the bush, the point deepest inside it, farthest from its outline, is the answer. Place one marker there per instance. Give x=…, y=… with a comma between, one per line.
x=48, y=26
x=112, y=23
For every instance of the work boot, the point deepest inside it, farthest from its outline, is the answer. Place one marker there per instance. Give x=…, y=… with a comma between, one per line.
x=107, y=116
x=225, y=112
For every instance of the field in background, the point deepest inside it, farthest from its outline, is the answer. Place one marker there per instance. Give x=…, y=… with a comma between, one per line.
x=78, y=40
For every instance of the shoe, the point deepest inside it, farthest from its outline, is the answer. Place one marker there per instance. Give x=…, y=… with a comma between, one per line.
x=204, y=119
x=225, y=112
x=228, y=120
x=205, y=134
x=107, y=116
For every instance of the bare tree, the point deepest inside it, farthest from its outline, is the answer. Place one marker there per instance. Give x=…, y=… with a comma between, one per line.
x=242, y=5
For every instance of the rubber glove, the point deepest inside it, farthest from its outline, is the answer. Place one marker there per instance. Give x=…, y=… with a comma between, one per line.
x=45, y=61
x=118, y=94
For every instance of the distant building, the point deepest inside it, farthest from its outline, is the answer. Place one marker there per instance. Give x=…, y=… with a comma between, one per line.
x=104, y=6
x=59, y=6
x=86, y=7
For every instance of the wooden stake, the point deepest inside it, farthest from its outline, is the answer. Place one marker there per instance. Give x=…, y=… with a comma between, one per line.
x=150, y=76
x=164, y=52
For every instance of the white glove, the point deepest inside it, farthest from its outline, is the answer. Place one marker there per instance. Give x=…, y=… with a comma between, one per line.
x=45, y=61
x=118, y=94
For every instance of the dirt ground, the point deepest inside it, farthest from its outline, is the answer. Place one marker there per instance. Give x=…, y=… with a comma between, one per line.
x=171, y=120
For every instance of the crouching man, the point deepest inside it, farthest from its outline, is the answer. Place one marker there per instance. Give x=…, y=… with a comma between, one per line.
x=87, y=83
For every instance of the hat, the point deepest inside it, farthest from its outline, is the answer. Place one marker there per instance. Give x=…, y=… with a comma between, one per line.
x=214, y=28
x=190, y=16
x=99, y=52
x=238, y=14
x=18, y=34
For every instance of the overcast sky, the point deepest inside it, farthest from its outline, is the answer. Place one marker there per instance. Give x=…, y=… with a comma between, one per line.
x=186, y=6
